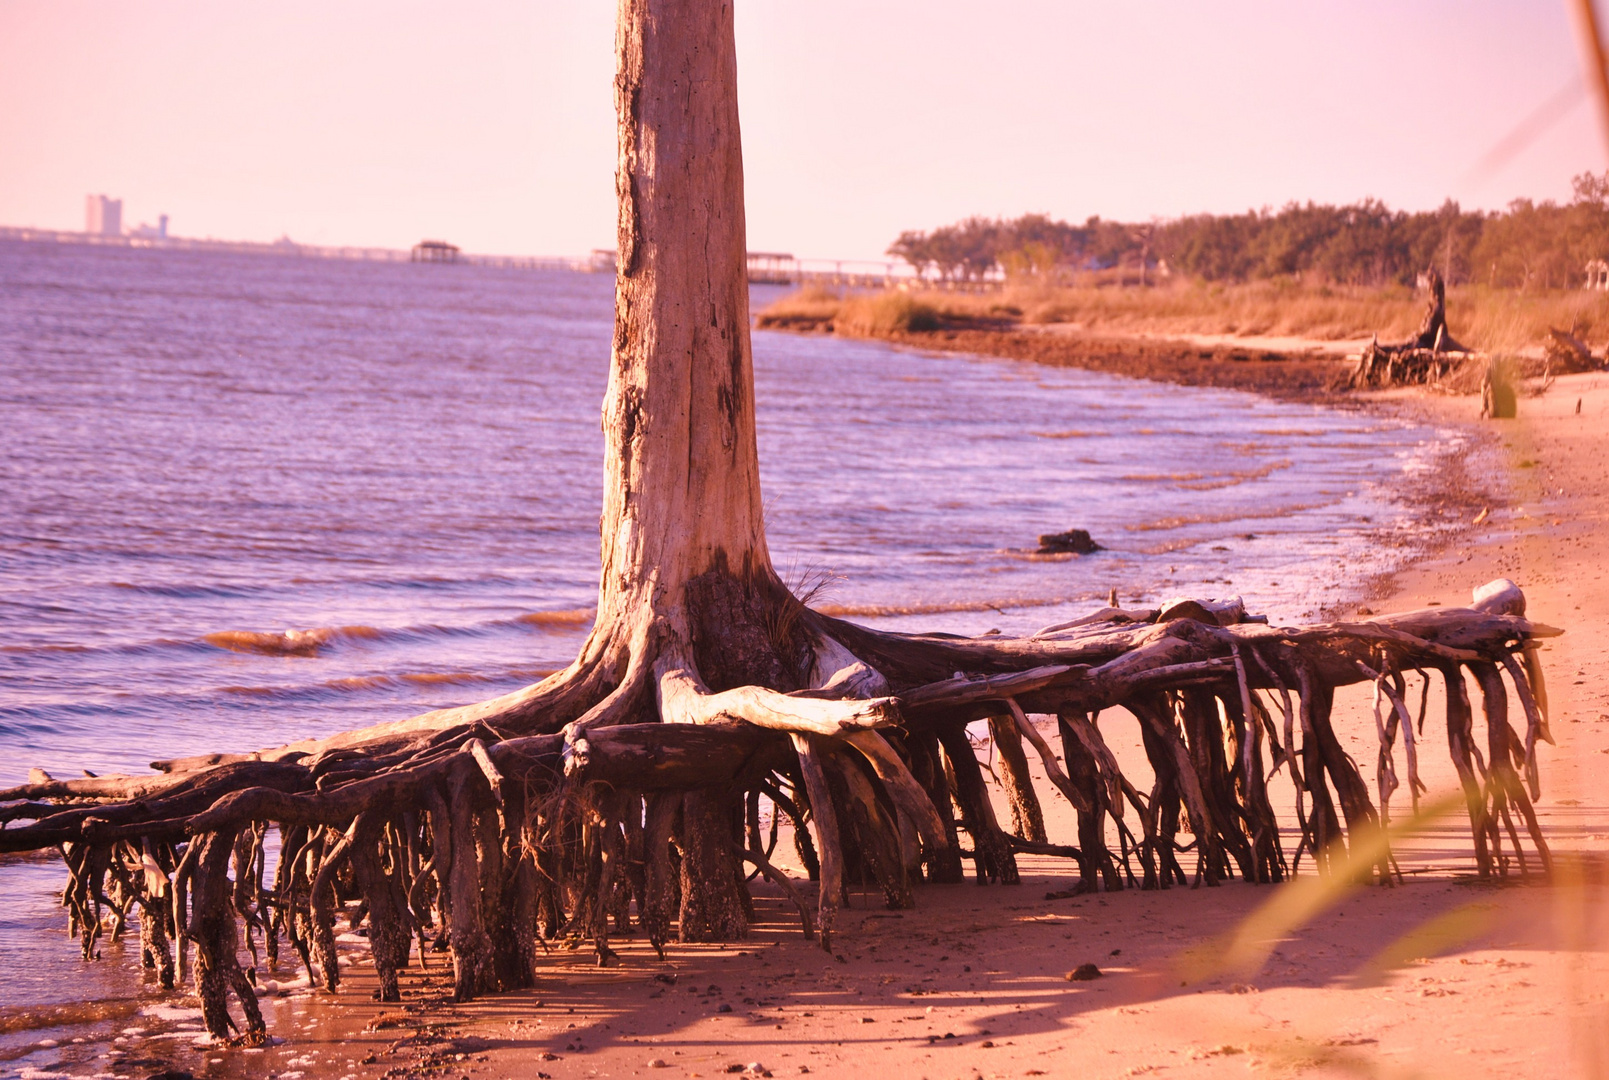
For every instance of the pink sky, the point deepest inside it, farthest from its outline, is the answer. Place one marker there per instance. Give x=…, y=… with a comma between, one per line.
x=490, y=123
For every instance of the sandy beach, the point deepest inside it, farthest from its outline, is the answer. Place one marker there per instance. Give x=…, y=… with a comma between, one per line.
x=1439, y=976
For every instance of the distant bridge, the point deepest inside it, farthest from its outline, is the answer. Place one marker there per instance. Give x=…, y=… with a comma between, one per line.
x=764, y=267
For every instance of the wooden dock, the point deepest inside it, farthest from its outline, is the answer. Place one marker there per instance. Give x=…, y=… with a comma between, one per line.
x=764, y=267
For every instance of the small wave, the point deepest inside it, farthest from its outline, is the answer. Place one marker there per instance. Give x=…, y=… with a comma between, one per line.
x=1034, y=555
x=356, y=684
x=27, y=649
x=1154, y=478
x=260, y=691
x=313, y=641
x=840, y=611
x=179, y=592
x=559, y=620
x=1181, y=520
x=1074, y=434
x=447, y=678
x=362, y=683
x=34, y=1017
x=290, y=642
x=1168, y=547
x=1210, y=481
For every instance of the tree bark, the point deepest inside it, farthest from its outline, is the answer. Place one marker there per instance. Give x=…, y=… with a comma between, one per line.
x=681, y=492
x=1027, y=817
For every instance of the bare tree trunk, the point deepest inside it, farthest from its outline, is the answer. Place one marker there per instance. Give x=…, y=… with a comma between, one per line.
x=681, y=469
x=704, y=680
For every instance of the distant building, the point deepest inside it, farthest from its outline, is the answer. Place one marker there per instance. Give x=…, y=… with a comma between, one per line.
x=602, y=261
x=159, y=231
x=1598, y=274
x=103, y=216
x=435, y=251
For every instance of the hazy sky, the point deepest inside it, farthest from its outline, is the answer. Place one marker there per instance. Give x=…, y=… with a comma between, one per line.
x=490, y=122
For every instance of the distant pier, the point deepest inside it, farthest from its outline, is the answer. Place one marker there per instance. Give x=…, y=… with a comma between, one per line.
x=435, y=251
x=773, y=268
x=764, y=267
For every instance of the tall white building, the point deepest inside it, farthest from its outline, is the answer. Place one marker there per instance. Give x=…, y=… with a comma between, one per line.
x=103, y=216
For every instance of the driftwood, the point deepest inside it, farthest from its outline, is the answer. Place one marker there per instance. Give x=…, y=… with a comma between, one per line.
x=1567, y=354
x=1383, y=366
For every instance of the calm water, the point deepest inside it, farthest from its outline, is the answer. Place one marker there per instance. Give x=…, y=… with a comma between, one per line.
x=200, y=452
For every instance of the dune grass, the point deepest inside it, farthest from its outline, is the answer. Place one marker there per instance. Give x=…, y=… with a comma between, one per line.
x=853, y=314
x=1494, y=320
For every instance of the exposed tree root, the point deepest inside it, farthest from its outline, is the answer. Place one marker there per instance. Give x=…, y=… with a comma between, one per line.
x=633, y=781
x=490, y=827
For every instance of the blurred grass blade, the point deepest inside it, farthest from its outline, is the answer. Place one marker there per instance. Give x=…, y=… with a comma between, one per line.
x=1430, y=938
x=1245, y=949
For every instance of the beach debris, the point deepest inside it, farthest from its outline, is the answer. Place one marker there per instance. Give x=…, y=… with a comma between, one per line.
x=1073, y=541
x=1223, y=612
x=1567, y=354
x=1499, y=597
x=1380, y=367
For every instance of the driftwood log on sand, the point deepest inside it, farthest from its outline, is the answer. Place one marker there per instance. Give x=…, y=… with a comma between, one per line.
x=631, y=784
x=1567, y=354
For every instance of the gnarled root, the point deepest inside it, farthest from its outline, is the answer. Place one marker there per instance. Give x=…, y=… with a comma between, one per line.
x=213, y=930
x=644, y=773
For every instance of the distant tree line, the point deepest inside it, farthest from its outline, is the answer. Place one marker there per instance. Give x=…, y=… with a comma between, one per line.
x=1531, y=245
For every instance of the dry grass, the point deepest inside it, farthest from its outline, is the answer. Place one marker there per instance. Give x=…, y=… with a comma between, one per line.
x=1494, y=320
x=806, y=308
x=880, y=314
x=857, y=314
x=1260, y=308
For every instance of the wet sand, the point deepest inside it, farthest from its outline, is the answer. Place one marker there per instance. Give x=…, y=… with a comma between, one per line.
x=1491, y=980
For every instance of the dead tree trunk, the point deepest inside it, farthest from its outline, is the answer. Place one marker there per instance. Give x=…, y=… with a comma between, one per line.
x=1422, y=358
x=1433, y=327
x=703, y=680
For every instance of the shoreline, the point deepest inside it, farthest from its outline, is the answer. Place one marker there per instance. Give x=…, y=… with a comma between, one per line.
x=974, y=983
x=1304, y=370
x=1307, y=377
